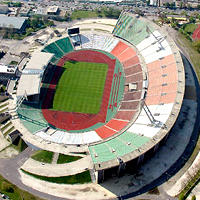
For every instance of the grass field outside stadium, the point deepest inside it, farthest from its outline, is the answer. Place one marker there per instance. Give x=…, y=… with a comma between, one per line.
x=80, y=88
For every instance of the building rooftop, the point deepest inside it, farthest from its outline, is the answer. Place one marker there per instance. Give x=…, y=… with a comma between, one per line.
x=52, y=9
x=3, y=9
x=11, y=22
x=7, y=69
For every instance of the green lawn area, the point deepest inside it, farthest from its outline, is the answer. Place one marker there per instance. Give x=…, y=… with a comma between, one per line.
x=14, y=192
x=66, y=158
x=101, y=13
x=80, y=14
x=83, y=177
x=80, y=88
x=43, y=156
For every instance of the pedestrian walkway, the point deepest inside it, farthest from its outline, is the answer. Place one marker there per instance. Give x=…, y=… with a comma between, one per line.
x=187, y=176
x=196, y=192
x=55, y=158
x=88, y=191
x=57, y=170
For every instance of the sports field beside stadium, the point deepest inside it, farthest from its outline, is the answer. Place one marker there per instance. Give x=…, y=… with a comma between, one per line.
x=80, y=88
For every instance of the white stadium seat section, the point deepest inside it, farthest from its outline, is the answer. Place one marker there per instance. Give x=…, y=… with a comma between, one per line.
x=143, y=125
x=157, y=55
x=110, y=44
x=144, y=130
x=43, y=135
x=149, y=41
x=96, y=41
x=164, y=109
x=74, y=38
x=89, y=137
x=152, y=50
x=99, y=41
x=146, y=121
x=62, y=137
x=87, y=40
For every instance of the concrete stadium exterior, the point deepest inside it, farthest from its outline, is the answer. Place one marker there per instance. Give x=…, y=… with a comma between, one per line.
x=118, y=163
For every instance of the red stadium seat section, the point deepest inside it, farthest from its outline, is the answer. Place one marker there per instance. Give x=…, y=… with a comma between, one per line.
x=105, y=132
x=111, y=128
x=116, y=124
x=119, y=48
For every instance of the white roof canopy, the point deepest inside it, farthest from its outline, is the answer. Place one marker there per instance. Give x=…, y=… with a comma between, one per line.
x=29, y=82
x=39, y=60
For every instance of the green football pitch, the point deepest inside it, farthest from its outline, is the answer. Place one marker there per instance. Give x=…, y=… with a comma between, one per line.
x=80, y=88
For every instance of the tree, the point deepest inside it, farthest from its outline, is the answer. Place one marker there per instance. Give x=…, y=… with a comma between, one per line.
x=111, y=12
x=167, y=4
x=184, y=13
x=139, y=12
x=193, y=197
x=29, y=31
x=163, y=17
x=192, y=19
x=181, y=196
x=189, y=7
x=174, y=23
x=172, y=5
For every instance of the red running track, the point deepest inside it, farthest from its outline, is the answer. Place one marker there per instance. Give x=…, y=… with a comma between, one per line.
x=78, y=121
x=196, y=33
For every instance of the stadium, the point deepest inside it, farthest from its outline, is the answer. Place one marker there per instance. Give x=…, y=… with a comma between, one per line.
x=115, y=96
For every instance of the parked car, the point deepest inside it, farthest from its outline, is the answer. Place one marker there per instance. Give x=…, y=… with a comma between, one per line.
x=58, y=34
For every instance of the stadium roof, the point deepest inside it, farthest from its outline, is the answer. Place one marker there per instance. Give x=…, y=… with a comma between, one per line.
x=11, y=22
x=39, y=60
x=30, y=79
x=29, y=84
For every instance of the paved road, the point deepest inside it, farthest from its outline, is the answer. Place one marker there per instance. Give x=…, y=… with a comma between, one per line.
x=9, y=170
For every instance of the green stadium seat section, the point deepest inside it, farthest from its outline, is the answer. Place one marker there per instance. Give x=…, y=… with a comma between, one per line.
x=65, y=45
x=53, y=48
x=32, y=118
x=122, y=24
x=132, y=29
x=118, y=146
x=136, y=140
x=103, y=151
x=54, y=60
